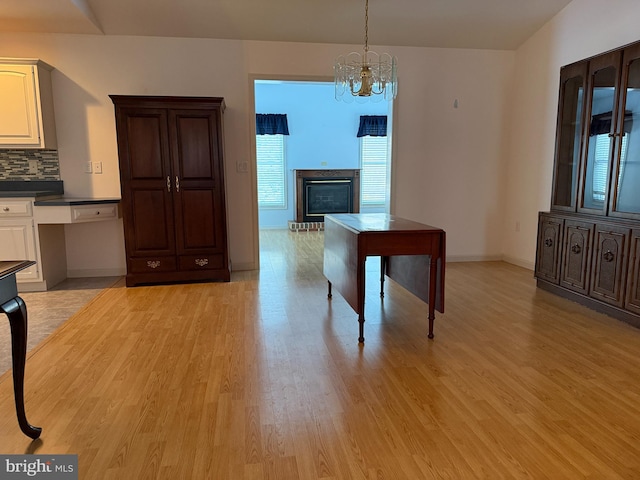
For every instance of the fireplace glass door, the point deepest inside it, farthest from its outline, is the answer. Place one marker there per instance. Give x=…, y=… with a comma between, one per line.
x=326, y=196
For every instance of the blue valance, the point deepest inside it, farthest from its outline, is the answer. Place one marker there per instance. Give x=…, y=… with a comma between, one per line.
x=373, y=125
x=271, y=124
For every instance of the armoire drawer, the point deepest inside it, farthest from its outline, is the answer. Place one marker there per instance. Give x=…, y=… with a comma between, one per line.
x=201, y=262
x=152, y=264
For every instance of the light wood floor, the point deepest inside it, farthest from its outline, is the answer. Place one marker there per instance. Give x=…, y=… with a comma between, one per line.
x=263, y=378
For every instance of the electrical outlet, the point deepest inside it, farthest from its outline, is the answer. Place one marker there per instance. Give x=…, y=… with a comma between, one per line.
x=88, y=167
x=97, y=167
x=33, y=166
x=242, y=167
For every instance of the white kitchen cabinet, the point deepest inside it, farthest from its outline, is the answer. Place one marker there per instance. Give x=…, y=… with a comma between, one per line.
x=18, y=241
x=26, y=97
x=21, y=238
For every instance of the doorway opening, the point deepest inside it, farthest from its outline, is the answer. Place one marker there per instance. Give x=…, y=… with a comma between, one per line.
x=322, y=135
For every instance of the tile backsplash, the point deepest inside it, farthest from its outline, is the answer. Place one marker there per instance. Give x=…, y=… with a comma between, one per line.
x=15, y=165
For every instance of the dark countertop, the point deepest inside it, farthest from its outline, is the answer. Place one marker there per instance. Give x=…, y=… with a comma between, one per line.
x=46, y=193
x=33, y=189
x=66, y=201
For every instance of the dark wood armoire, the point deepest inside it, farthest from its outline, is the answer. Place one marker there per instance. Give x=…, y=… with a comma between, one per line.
x=172, y=181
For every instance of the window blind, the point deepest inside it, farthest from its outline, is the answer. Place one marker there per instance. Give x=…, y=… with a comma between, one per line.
x=272, y=184
x=373, y=175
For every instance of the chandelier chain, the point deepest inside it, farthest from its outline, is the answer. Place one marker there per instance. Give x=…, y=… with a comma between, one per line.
x=366, y=26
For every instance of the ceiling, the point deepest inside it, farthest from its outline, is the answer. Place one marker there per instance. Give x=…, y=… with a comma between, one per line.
x=486, y=24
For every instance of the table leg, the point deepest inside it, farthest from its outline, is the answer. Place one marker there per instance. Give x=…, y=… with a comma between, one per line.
x=383, y=269
x=433, y=278
x=16, y=310
x=360, y=277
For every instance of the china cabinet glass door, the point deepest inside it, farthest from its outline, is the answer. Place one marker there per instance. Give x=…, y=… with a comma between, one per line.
x=625, y=182
x=569, y=131
x=599, y=133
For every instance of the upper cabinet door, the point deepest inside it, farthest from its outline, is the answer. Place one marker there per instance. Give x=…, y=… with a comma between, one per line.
x=599, y=132
x=26, y=106
x=625, y=178
x=573, y=79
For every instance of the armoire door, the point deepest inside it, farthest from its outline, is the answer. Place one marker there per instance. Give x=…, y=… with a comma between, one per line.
x=147, y=189
x=198, y=198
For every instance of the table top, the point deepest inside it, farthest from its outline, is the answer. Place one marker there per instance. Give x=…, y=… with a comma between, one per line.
x=11, y=267
x=379, y=222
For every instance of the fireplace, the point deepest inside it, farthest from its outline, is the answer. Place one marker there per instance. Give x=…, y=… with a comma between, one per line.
x=321, y=192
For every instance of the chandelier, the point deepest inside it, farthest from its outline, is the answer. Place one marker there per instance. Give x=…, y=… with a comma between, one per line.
x=368, y=76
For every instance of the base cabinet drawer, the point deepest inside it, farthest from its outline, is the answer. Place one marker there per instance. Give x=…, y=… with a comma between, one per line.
x=93, y=213
x=15, y=208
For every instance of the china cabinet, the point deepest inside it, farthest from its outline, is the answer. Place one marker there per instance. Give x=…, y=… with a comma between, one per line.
x=595, y=202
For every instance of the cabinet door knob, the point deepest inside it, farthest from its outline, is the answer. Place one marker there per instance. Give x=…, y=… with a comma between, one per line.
x=5, y=209
x=576, y=249
x=177, y=184
x=168, y=184
x=608, y=256
x=548, y=242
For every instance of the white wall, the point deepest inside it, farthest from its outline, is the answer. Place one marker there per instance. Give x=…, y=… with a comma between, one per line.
x=448, y=162
x=583, y=29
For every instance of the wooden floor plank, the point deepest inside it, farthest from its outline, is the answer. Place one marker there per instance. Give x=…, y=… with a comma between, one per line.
x=263, y=378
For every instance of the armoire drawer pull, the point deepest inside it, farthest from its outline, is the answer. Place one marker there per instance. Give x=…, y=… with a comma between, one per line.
x=576, y=249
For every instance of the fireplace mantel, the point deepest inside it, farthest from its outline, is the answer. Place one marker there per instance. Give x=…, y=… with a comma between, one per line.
x=304, y=178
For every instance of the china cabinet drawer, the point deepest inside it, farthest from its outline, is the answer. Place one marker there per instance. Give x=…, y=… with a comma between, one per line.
x=15, y=208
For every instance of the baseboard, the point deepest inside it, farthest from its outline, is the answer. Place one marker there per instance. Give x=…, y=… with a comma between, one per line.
x=490, y=258
x=243, y=266
x=97, y=272
x=520, y=263
x=473, y=258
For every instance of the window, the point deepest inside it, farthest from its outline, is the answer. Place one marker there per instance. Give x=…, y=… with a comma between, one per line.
x=373, y=174
x=272, y=180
